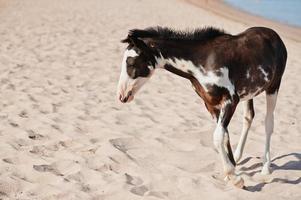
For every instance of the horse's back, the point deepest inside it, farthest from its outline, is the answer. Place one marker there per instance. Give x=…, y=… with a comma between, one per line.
x=259, y=58
x=278, y=51
x=268, y=40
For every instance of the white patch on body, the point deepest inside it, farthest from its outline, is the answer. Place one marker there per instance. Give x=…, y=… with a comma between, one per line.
x=248, y=74
x=251, y=95
x=210, y=78
x=150, y=67
x=219, y=140
x=227, y=102
x=264, y=73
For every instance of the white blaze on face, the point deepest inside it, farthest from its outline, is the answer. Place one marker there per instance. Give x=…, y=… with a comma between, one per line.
x=127, y=86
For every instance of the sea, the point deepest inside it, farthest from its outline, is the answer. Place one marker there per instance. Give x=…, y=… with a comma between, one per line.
x=284, y=11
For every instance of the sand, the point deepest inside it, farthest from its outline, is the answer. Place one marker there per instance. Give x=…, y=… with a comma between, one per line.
x=64, y=135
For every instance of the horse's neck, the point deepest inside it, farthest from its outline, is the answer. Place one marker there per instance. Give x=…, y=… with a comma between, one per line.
x=173, y=59
x=185, y=68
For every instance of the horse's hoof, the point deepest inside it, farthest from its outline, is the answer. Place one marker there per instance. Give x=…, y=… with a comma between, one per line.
x=265, y=171
x=238, y=182
x=227, y=178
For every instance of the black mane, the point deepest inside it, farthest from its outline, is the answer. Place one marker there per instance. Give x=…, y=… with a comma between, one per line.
x=172, y=34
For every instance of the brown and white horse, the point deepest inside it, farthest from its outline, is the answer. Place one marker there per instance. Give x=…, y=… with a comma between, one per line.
x=224, y=69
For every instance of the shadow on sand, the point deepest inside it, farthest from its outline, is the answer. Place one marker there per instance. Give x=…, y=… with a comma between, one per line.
x=290, y=165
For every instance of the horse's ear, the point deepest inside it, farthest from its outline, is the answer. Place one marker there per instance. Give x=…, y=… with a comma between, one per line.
x=140, y=44
x=126, y=40
x=144, y=45
x=130, y=39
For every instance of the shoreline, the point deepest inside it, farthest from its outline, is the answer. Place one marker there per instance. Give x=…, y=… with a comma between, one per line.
x=223, y=9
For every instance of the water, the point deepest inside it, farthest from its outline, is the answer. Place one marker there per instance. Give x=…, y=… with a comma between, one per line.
x=288, y=11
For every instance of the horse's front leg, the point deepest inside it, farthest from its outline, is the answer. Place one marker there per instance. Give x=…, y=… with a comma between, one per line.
x=221, y=137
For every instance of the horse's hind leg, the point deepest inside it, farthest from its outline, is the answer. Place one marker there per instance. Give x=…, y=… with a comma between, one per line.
x=269, y=127
x=247, y=121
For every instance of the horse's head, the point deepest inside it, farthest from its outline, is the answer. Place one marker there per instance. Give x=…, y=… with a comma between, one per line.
x=137, y=67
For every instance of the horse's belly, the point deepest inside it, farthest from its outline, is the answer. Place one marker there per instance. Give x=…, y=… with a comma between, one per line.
x=245, y=95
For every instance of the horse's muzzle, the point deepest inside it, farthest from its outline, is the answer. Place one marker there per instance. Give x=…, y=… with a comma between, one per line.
x=129, y=97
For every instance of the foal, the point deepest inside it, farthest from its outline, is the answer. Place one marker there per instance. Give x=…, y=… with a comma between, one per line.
x=224, y=69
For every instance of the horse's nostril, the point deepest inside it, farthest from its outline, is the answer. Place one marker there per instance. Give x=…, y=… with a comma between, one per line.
x=130, y=93
x=125, y=99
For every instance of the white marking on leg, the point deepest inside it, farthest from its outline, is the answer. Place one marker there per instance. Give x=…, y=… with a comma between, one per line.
x=219, y=139
x=247, y=121
x=269, y=128
x=219, y=143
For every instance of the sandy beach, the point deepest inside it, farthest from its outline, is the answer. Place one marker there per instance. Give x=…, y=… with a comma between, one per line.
x=65, y=136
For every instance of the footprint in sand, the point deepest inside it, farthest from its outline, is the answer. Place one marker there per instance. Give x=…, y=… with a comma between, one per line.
x=56, y=127
x=140, y=190
x=34, y=136
x=13, y=124
x=66, y=143
x=23, y=114
x=206, y=139
x=160, y=195
x=208, y=168
x=218, y=181
x=60, y=168
x=41, y=151
x=46, y=168
x=8, y=187
x=133, y=180
x=17, y=144
x=12, y=160
x=76, y=177
x=124, y=144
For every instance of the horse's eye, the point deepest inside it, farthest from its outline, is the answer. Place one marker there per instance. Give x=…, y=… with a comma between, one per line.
x=130, y=61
